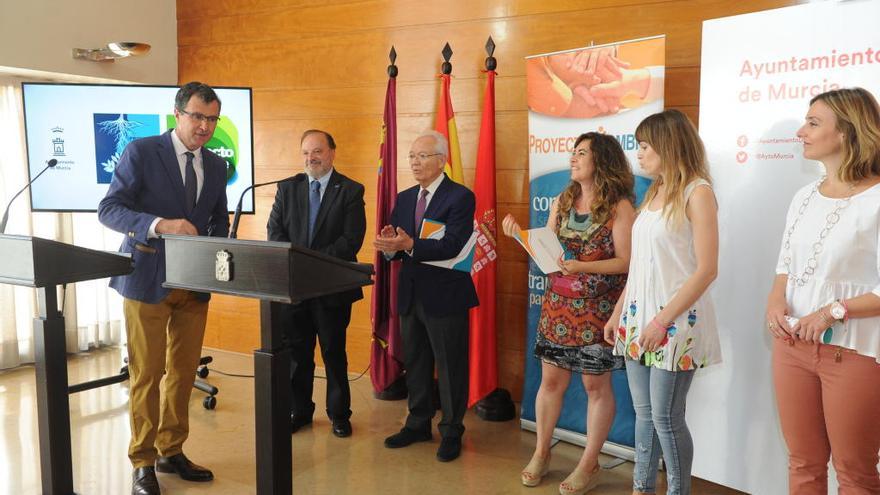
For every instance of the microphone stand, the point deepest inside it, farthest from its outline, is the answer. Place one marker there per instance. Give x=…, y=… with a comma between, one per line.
x=233, y=231
x=49, y=165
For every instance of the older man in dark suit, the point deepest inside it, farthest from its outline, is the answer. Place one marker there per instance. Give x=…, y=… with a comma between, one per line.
x=433, y=302
x=321, y=210
x=166, y=184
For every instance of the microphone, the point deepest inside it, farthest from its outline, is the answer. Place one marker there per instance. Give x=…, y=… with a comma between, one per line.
x=51, y=163
x=233, y=232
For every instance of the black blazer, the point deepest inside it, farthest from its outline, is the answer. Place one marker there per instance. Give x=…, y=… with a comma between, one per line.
x=440, y=290
x=339, y=228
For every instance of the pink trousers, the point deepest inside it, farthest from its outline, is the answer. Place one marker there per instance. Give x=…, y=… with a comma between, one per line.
x=829, y=406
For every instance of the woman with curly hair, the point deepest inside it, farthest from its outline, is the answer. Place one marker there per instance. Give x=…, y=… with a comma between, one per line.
x=592, y=219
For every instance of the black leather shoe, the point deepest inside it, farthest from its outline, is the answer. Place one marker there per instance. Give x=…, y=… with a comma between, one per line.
x=342, y=428
x=144, y=482
x=297, y=422
x=406, y=437
x=450, y=448
x=184, y=468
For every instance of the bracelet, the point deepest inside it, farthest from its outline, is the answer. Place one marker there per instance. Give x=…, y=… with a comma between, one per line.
x=825, y=319
x=657, y=325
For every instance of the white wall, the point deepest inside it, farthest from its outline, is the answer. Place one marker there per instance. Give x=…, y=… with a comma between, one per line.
x=757, y=165
x=40, y=35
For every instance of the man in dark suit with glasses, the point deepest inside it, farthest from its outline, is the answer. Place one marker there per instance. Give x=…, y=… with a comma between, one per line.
x=433, y=302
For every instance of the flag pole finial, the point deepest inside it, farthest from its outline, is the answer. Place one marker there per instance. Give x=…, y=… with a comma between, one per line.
x=392, y=56
x=491, y=62
x=446, y=68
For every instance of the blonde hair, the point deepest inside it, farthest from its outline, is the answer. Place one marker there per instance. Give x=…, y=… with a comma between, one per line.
x=674, y=138
x=612, y=178
x=858, y=119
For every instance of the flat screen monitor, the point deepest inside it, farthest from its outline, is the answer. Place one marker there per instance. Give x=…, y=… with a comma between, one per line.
x=86, y=127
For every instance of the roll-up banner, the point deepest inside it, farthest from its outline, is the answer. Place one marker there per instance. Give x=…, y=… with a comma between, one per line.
x=609, y=89
x=758, y=74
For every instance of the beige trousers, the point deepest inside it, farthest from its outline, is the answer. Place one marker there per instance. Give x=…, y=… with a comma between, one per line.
x=163, y=339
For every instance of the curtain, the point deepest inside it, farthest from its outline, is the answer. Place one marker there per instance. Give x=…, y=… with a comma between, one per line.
x=92, y=311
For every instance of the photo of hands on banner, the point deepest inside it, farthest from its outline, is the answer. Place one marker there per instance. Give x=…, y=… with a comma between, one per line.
x=588, y=83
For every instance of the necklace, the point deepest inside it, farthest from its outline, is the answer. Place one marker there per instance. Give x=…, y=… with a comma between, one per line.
x=575, y=222
x=830, y=221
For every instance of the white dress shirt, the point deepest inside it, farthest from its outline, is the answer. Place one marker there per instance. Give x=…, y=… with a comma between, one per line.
x=180, y=150
x=432, y=188
x=323, y=180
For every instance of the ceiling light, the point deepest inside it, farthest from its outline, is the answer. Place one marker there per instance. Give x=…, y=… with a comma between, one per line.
x=112, y=51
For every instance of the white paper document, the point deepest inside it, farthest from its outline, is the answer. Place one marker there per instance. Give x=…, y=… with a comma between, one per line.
x=543, y=247
x=463, y=261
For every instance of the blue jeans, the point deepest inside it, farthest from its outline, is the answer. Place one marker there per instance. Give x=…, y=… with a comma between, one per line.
x=659, y=400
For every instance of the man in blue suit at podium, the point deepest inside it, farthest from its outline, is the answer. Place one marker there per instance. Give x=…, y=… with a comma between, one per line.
x=433, y=302
x=166, y=184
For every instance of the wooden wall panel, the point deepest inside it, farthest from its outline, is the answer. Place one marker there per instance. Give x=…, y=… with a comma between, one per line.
x=321, y=64
x=217, y=22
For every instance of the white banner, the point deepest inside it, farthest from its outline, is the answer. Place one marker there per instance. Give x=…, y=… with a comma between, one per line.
x=758, y=74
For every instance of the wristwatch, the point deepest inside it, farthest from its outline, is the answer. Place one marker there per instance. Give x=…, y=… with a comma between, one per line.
x=837, y=310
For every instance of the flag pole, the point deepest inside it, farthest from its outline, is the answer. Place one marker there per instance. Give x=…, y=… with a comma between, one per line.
x=386, y=352
x=491, y=404
x=445, y=120
x=446, y=67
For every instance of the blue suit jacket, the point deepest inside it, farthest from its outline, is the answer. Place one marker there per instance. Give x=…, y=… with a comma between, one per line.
x=147, y=184
x=441, y=291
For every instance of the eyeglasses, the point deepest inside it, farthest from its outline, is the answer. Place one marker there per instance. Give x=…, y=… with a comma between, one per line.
x=211, y=119
x=422, y=156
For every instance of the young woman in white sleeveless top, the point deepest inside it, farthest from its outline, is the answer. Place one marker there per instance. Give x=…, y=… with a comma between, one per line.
x=664, y=323
x=825, y=363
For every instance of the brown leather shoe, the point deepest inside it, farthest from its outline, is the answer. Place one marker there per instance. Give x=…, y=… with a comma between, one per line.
x=144, y=482
x=184, y=468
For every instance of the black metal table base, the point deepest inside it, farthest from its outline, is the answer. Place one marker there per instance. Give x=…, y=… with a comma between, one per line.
x=53, y=406
x=272, y=407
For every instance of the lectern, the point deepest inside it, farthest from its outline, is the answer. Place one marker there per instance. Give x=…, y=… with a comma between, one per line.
x=274, y=272
x=45, y=264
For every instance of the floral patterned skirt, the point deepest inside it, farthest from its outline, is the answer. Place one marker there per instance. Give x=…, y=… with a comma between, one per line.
x=592, y=359
x=570, y=333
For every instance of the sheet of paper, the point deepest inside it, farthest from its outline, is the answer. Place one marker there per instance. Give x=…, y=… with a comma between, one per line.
x=465, y=259
x=543, y=247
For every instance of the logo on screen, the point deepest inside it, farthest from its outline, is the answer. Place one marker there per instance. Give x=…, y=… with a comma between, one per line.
x=113, y=132
x=224, y=143
x=58, y=141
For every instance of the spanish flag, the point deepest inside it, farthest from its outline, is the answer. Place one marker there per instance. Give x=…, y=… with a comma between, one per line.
x=445, y=125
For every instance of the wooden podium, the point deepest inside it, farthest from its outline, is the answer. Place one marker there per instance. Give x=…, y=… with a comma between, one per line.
x=45, y=264
x=274, y=272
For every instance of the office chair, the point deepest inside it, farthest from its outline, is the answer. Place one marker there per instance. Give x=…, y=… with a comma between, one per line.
x=209, y=402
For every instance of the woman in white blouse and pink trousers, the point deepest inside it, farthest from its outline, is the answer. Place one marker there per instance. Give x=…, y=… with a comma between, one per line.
x=824, y=308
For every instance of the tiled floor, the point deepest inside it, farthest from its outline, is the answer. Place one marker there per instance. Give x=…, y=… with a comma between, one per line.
x=223, y=440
